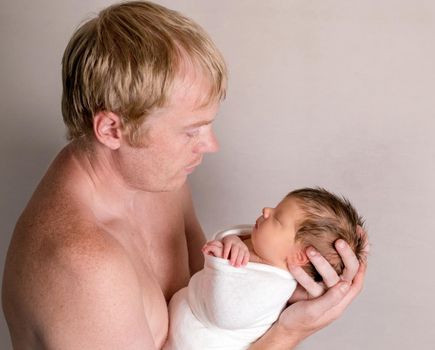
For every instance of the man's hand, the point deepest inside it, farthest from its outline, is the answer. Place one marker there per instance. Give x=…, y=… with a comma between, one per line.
x=320, y=308
x=231, y=247
x=319, y=303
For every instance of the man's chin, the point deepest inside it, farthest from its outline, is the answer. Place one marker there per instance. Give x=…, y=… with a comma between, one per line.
x=168, y=187
x=190, y=170
x=175, y=185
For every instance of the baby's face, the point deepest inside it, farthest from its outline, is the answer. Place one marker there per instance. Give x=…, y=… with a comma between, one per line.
x=273, y=237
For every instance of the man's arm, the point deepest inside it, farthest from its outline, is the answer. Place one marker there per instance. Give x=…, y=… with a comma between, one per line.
x=306, y=317
x=92, y=300
x=194, y=235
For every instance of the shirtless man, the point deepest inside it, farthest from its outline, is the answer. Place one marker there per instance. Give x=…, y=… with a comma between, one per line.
x=110, y=233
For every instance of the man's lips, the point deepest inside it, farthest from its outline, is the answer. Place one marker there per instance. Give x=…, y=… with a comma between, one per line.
x=191, y=168
x=194, y=164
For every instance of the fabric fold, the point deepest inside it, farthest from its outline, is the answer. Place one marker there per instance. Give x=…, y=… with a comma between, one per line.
x=225, y=307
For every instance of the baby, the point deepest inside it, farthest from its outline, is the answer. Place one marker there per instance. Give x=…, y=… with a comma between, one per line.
x=245, y=283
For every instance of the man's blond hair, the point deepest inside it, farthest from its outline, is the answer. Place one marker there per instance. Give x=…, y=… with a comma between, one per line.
x=125, y=61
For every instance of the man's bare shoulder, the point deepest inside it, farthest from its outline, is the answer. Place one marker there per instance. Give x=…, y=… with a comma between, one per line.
x=66, y=274
x=57, y=236
x=55, y=274
x=58, y=224
x=66, y=245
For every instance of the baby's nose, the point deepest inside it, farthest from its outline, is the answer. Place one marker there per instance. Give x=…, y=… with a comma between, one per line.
x=266, y=212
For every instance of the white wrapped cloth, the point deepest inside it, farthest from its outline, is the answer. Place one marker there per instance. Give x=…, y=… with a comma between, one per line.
x=224, y=307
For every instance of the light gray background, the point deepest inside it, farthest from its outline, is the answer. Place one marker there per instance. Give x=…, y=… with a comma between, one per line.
x=332, y=93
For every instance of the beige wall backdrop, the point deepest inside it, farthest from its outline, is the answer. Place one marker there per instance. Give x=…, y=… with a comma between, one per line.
x=327, y=93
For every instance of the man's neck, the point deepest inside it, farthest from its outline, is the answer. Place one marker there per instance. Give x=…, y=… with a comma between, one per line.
x=101, y=183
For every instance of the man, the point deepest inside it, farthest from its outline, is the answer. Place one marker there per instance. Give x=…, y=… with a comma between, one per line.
x=110, y=234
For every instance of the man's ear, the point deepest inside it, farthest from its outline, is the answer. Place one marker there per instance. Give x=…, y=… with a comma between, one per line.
x=108, y=129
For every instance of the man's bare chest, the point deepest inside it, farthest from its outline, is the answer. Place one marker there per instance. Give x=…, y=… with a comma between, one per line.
x=165, y=260
x=156, y=243
x=157, y=249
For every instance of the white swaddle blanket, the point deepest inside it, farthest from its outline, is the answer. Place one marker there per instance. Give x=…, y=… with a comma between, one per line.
x=224, y=307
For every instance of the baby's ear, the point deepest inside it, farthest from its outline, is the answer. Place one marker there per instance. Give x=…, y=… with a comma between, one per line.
x=299, y=257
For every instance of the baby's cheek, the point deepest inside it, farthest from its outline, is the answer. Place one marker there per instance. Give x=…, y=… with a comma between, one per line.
x=275, y=250
x=265, y=251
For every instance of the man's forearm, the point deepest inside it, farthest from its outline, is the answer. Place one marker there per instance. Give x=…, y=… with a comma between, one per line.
x=276, y=339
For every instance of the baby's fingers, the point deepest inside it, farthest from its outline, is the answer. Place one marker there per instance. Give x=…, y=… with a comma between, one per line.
x=234, y=255
x=245, y=259
x=213, y=248
x=240, y=258
x=227, y=249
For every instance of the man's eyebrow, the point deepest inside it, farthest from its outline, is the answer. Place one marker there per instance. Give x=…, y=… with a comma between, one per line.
x=200, y=123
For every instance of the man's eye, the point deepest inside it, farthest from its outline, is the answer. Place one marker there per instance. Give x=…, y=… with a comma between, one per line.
x=192, y=133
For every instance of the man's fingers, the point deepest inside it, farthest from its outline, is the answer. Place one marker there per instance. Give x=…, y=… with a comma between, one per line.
x=329, y=275
x=363, y=234
x=329, y=300
x=299, y=294
x=305, y=280
x=351, y=263
x=354, y=289
x=357, y=285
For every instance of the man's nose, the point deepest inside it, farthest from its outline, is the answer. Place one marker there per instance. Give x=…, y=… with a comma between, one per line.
x=208, y=144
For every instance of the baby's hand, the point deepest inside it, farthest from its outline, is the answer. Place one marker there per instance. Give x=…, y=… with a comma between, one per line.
x=231, y=247
x=235, y=250
x=214, y=248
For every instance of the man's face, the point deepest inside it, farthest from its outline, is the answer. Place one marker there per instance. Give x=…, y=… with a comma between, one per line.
x=273, y=237
x=176, y=138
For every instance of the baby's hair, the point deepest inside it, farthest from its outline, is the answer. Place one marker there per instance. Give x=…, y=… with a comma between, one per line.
x=327, y=217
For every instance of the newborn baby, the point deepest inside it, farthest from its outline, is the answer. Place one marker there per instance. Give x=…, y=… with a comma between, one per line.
x=245, y=283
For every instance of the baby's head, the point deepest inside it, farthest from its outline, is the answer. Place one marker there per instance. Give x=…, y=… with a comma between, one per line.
x=326, y=218
x=307, y=217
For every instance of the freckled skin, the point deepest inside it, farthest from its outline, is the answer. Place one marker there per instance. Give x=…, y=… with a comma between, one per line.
x=110, y=234
x=108, y=237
